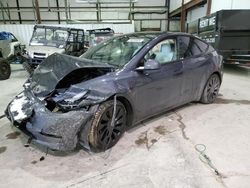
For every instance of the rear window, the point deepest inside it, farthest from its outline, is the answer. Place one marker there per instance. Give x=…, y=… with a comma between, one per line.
x=195, y=49
x=190, y=46
x=202, y=45
x=184, y=50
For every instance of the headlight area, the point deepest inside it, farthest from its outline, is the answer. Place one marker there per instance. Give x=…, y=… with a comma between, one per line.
x=74, y=99
x=65, y=107
x=67, y=101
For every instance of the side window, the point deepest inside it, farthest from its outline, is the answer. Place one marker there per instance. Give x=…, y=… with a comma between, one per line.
x=189, y=46
x=13, y=38
x=184, y=47
x=198, y=47
x=194, y=48
x=202, y=45
x=164, y=52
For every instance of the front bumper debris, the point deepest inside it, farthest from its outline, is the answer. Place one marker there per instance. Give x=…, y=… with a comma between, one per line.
x=57, y=131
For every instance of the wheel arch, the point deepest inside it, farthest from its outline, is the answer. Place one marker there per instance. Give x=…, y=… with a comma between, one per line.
x=213, y=73
x=128, y=106
x=218, y=74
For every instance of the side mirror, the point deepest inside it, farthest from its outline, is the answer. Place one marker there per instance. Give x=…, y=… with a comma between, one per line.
x=152, y=64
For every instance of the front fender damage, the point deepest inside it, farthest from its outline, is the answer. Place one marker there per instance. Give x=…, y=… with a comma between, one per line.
x=55, y=130
x=58, y=102
x=58, y=131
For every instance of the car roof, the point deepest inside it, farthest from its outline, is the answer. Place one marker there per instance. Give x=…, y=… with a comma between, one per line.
x=154, y=34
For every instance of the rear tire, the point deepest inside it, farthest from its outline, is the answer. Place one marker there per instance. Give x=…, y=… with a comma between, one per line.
x=211, y=89
x=102, y=134
x=5, y=69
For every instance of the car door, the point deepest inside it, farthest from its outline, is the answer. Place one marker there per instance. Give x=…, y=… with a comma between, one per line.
x=158, y=90
x=195, y=63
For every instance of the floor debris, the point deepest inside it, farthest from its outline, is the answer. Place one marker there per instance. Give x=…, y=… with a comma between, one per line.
x=28, y=142
x=42, y=158
x=34, y=162
x=160, y=130
x=3, y=149
x=201, y=148
x=13, y=135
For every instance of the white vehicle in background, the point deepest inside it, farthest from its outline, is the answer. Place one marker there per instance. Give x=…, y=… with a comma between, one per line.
x=10, y=51
x=47, y=40
x=97, y=36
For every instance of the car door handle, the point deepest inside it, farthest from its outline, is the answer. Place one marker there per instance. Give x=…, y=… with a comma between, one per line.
x=178, y=72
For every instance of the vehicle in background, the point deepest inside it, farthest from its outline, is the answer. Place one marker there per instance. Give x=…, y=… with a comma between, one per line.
x=10, y=51
x=47, y=40
x=97, y=36
x=228, y=31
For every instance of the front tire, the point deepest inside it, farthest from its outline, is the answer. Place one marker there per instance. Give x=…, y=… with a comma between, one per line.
x=5, y=70
x=102, y=134
x=211, y=89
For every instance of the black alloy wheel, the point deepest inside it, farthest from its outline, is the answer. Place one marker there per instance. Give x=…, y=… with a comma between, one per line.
x=107, y=127
x=211, y=90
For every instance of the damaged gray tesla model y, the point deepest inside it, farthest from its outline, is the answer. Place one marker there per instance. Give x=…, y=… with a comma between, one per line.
x=93, y=99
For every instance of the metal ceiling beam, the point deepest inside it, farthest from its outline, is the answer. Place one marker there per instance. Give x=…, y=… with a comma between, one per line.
x=19, y=13
x=187, y=6
x=66, y=10
x=183, y=17
x=209, y=3
x=58, y=13
x=105, y=2
x=37, y=12
x=2, y=10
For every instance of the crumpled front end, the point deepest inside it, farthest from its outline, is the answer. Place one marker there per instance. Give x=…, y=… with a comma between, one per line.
x=55, y=130
x=58, y=101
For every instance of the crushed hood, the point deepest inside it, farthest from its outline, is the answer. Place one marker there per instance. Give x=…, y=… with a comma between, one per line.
x=49, y=73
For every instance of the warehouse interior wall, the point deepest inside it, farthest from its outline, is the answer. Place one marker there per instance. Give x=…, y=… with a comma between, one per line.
x=174, y=25
x=174, y=4
x=145, y=14
x=196, y=13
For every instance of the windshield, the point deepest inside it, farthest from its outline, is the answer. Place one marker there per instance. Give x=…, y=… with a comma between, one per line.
x=117, y=51
x=49, y=37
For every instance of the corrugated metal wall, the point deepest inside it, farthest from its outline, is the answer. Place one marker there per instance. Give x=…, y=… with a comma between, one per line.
x=147, y=14
x=174, y=4
x=23, y=32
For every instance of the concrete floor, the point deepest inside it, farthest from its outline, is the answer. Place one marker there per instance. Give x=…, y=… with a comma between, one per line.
x=158, y=153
